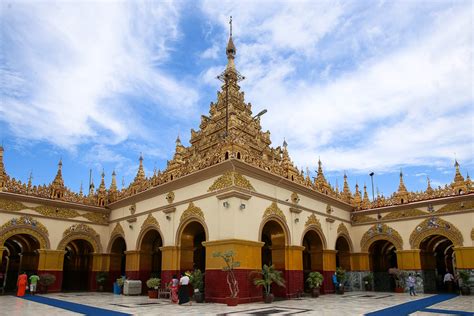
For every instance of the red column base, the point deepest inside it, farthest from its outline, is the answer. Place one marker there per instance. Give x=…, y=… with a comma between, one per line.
x=216, y=288
x=327, y=286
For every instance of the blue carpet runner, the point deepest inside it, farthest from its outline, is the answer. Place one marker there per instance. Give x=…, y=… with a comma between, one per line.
x=73, y=307
x=417, y=305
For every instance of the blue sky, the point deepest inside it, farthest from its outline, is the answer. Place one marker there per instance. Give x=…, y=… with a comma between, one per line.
x=364, y=85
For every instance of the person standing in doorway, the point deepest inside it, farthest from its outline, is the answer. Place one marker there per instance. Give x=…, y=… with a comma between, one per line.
x=183, y=293
x=448, y=281
x=411, y=284
x=33, y=283
x=22, y=283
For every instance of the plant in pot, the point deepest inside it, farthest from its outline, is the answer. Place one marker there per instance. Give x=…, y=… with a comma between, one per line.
x=340, y=277
x=314, y=280
x=464, y=275
x=268, y=275
x=368, y=281
x=197, y=281
x=153, y=285
x=230, y=264
x=46, y=280
x=101, y=278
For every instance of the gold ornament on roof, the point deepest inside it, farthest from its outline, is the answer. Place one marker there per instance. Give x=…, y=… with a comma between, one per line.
x=11, y=205
x=404, y=214
x=118, y=230
x=80, y=228
x=192, y=211
x=274, y=210
x=98, y=218
x=229, y=179
x=150, y=221
x=313, y=220
x=457, y=206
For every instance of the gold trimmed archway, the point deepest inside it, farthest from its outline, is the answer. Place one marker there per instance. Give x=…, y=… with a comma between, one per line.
x=381, y=232
x=313, y=224
x=116, y=233
x=342, y=231
x=435, y=226
x=274, y=213
x=81, y=231
x=25, y=225
x=150, y=223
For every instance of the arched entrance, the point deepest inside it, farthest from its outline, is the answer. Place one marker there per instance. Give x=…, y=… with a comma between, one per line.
x=150, y=260
x=77, y=267
x=343, y=254
x=192, y=252
x=437, y=257
x=382, y=257
x=21, y=255
x=312, y=255
x=117, y=258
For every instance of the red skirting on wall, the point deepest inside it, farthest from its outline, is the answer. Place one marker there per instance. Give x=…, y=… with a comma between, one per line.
x=56, y=286
x=216, y=288
x=327, y=286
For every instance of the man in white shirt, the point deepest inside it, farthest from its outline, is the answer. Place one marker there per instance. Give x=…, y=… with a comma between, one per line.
x=183, y=292
x=448, y=281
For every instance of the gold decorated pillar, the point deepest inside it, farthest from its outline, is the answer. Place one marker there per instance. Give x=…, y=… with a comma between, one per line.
x=409, y=259
x=316, y=260
x=52, y=262
x=360, y=261
x=248, y=254
x=100, y=262
x=329, y=260
x=294, y=270
x=464, y=257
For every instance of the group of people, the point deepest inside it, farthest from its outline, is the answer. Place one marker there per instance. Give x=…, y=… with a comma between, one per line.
x=22, y=284
x=180, y=289
x=449, y=281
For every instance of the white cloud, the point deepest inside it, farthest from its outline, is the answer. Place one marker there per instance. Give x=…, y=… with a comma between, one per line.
x=76, y=65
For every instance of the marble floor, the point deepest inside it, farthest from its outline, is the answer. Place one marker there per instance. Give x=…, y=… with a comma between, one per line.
x=353, y=303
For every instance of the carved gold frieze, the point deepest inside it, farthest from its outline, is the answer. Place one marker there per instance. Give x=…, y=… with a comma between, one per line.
x=381, y=232
x=342, y=229
x=10, y=205
x=97, y=218
x=192, y=211
x=56, y=212
x=453, y=207
x=360, y=218
x=435, y=226
x=118, y=230
x=170, y=197
x=80, y=228
x=231, y=178
x=312, y=220
x=25, y=221
x=404, y=214
x=150, y=220
x=274, y=210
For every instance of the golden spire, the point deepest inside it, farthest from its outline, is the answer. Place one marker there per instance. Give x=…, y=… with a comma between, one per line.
x=141, y=172
x=113, y=184
x=57, y=187
x=365, y=200
x=321, y=183
x=429, y=189
x=401, y=186
x=80, y=190
x=458, y=185
x=101, y=191
x=346, y=192
x=357, y=198
x=3, y=174
x=402, y=194
x=230, y=49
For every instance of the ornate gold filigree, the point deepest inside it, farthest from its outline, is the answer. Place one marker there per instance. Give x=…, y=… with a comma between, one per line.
x=274, y=210
x=342, y=229
x=458, y=206
x=56, y=212
x=10, y=205
x=435, y=226
x=231, y=178
x=80, y=228
x=150, y=220
x=170, y=197
x=404, y=214
x=118, y=230
x=381, y=232
x=360, y=218
x=192, y=211
x=81, y=231
x=313, y=220
x=97, y=218
x=25, y=225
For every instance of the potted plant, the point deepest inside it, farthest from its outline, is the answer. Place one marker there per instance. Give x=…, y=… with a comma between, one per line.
x=268, y=275
x=314, y=280
x=118, y=285
x=153, y=285
x=340, y=277
x=197, y=281
x=101, y=278
x=465, y=276
x=230, y=264
x=368, y=281
x=46, y=280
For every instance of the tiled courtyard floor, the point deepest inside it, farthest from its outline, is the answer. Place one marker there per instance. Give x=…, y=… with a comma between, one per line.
x=353, y=303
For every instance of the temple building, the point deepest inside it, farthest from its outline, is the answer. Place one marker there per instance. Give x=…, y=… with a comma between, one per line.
x=230, y=189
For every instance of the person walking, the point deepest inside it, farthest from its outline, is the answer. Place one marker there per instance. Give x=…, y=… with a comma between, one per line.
x=22, y=283
x=448, y=281
x=411, y=284
x=183, y=292
x=33, y=283
x=174, y=289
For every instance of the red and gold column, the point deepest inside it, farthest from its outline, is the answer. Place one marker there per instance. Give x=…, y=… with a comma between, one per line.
x=52, y=262
x=409, y=260
x=100, y=262
x=360, y=261
x=170, y=263
x=294, y=270
x=464, y=257
x=329, y=267
x=248, y=254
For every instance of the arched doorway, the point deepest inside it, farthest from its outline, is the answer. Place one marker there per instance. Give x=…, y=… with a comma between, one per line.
x=437, y=257
x=77, y=266
x=117, y=258
x=382, y=257
x=312, y=255
x=192, y=252
x=273, y=251
x=343, y=254
x=150, y=260
x=21, y=255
